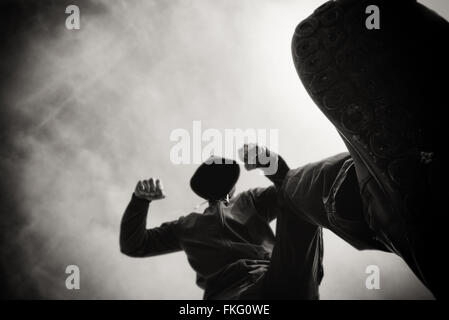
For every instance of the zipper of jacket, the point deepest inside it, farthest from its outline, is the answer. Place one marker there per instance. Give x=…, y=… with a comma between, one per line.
x=220, y=213
x=225, y=225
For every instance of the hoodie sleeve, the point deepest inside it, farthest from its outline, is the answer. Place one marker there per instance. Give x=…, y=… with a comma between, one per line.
x=268, y=201
x=138, y=241
x=278, y=177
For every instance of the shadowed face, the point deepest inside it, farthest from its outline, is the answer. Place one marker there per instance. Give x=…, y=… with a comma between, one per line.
x=215, y=180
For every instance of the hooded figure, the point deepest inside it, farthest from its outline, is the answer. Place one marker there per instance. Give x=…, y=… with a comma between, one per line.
x=231, y=245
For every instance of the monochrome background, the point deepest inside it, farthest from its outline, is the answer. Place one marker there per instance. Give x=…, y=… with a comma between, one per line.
x=87, y=113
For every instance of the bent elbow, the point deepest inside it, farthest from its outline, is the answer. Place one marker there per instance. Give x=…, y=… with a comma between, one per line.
x=131, y=252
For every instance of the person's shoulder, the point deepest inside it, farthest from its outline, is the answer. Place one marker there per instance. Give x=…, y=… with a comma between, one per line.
x=250, y=192
x=241, y=196
x=189, y=221
x=256, y=192
x=189, y=217
x=248, y=196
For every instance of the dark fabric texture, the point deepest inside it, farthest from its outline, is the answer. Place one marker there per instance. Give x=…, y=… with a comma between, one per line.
x=230, y=246
x=324, y=194
x=383, y=89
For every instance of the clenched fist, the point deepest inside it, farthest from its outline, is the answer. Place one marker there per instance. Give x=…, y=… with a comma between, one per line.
x=149, y=190
x=254, y=156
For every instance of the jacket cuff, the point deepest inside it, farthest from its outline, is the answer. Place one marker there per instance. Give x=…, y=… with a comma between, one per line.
x=282, y=169
x=136, y=201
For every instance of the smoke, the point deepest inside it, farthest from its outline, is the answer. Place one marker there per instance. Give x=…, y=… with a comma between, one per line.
x=87, y=113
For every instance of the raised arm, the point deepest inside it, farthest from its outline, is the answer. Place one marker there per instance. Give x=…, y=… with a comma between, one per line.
x=258, y=157
x=282, y=169
x=266, y=200
x=135, y=239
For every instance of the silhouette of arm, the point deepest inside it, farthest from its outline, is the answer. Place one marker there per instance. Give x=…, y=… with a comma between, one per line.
x=138, y=241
